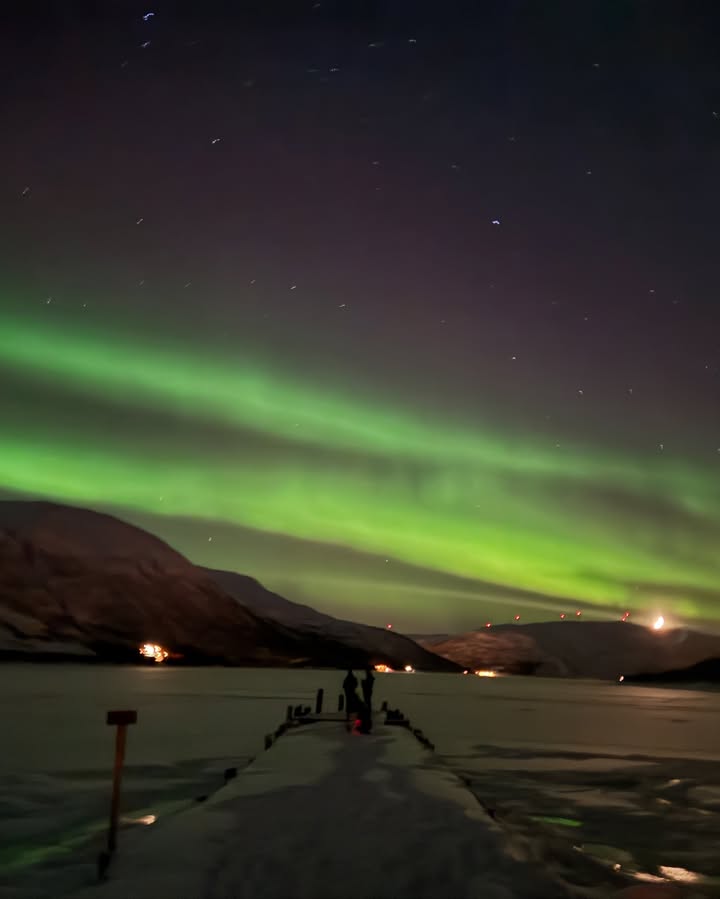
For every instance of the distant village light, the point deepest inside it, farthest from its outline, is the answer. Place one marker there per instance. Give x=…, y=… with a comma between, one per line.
x=659, y=623
x=153, y=651
x=517, y=618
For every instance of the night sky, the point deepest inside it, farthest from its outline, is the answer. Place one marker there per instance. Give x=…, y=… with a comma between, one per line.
x=408, y=309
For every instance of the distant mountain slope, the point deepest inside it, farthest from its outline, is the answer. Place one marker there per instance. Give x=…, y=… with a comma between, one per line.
x=96, y=584
x=76, y=583
x=380, y=644
x=602, y=649
x=706, y=672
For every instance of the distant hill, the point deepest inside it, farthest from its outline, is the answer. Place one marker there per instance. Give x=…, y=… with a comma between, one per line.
x=597, y=649
x=706, y=672
x=84, y=585
x=377, y=643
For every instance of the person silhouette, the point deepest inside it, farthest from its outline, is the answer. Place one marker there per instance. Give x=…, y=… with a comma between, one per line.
x=367, y=688
x=349, y=687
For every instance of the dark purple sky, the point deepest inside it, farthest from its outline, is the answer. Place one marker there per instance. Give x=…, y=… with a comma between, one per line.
x=501, y=215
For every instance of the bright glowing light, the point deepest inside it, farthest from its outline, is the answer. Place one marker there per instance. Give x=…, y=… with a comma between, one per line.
x=578, y=614
x=409, y=669
x=389, y=627
x=659, y=623
x=488, y=624
x=562, y=616
x=679, y=874
x=486, y=673
x=621, y=678
x=466, y=671
x=153, y=651
x=517, y=618
x=383, y=669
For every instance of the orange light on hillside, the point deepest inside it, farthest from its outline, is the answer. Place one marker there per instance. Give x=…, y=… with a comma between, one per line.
x=488, y=624
x=153, y=651
x=562, y=615
x=409, y=669
x=486, y=672
x=383, y=669
x=517, y=618
x=389, y=626
x=578, y=613
x=659, y=623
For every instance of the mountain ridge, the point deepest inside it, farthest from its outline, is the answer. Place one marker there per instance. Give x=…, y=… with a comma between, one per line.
x=84, y=585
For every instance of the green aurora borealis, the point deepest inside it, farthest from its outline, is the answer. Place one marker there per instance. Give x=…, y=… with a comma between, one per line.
x=401, y=513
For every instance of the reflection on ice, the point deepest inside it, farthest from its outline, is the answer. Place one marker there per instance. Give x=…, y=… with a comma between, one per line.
x=143, y=819
x=680, y=874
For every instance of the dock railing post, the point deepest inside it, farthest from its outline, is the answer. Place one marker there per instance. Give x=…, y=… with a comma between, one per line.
x=319, y=701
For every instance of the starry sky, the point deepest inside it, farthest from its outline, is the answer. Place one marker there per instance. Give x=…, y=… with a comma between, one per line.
x=406, y=308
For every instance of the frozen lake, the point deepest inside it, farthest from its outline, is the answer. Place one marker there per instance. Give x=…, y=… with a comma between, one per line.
x=632, y=767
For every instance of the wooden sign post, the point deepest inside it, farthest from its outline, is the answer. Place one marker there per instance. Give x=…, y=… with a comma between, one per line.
x=121, y=719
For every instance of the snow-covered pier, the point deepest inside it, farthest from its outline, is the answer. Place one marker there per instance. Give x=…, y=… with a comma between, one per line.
x=326, y=813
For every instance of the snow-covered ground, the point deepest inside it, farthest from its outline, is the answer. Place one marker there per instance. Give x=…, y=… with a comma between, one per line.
x=634, y=773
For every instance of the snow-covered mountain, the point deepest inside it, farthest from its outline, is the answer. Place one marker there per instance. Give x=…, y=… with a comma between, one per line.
x=380, y=644
x=600, y=649
x=77, y=583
